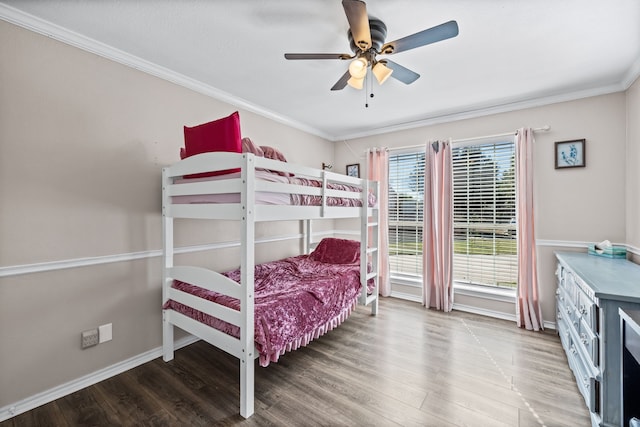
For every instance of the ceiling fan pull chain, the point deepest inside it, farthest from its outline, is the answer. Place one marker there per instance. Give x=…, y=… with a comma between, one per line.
x=366, y=80
x=371, y=95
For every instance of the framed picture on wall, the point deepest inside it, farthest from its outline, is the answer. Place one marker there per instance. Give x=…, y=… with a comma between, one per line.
x=570, y=154
x=354, y=170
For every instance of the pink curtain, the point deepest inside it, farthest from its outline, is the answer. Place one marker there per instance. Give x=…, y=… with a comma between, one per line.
x=528, y=312
x=378, y=159
x=438, y=227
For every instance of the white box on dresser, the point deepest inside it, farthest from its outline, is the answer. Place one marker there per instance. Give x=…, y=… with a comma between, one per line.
x=590, y=291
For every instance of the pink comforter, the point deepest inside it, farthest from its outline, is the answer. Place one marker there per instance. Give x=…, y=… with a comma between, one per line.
x=296, y=300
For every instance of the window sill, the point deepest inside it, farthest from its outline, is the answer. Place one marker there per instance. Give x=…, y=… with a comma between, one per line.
x=477, y=291
x=486, y=292
x=412, y=281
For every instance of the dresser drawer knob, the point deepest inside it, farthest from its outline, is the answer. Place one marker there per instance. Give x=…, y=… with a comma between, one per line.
x=583, y=339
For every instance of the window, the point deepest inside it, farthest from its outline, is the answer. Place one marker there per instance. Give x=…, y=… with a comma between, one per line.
x=484, y=214
x=406, y=201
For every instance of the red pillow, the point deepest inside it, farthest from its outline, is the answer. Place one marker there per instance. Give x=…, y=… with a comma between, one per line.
x=336, y=251
x=220, y=135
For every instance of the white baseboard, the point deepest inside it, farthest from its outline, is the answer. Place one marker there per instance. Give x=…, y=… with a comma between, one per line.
x=549, y=325
x=62, y=390
x=484, y=312
x=405, y=296
x=497, y=314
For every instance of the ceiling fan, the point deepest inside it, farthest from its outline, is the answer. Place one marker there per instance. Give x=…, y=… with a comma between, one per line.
x=366, y=38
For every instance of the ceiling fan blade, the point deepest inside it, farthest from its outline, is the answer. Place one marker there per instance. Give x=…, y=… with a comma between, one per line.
x=340, y=84
x=422, y=38
x=317, y=56
x=356, y=12
x=401, y=73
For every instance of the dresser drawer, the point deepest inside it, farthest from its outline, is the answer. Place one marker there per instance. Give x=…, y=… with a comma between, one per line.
x=587, y=383
x=588, y=310
x=569, y=311
x=570, y=286
x=560, y=271
x=563, y=331
x=589, y=341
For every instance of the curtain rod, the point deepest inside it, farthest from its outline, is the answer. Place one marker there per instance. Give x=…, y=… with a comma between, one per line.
x=544, y=128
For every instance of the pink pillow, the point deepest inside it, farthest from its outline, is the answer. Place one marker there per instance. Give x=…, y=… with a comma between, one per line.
x=220, y=135
x=249, y=147
x=274, y=154
x=336, y=251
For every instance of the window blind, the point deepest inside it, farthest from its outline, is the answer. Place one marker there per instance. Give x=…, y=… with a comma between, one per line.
x=406, y=202
x=484, y=212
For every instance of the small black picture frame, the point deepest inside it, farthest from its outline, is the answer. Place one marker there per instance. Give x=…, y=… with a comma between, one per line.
x=571, y=154
x=354, y=170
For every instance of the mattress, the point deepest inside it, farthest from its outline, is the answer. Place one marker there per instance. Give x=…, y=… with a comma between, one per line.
x=297, y=299
x=275, y=198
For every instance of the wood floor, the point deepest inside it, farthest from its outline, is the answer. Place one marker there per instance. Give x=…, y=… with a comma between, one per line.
x=406, y=367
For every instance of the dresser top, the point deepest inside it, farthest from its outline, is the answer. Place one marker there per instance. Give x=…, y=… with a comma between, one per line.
x=616, y=279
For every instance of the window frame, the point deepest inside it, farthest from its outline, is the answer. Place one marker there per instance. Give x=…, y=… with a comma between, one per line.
x=404, y=278
x=494, y=292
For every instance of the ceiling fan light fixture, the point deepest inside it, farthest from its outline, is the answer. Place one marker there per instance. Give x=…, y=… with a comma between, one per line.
x=356, y=83
x=358, y=68
x=382, y=72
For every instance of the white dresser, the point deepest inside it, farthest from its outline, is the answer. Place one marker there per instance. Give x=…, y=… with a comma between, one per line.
x=590, y=291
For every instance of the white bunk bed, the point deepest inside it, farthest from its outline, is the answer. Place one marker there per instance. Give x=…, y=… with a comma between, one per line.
x=248, y=212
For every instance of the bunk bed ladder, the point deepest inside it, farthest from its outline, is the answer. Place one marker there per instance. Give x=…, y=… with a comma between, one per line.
x=369, y=241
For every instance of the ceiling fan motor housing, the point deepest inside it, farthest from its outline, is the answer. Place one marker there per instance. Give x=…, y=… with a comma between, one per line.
x=378, y=35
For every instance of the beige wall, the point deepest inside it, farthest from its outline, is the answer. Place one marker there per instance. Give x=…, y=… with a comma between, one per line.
x=633, y=165
x=585, y=204
x=82, y=143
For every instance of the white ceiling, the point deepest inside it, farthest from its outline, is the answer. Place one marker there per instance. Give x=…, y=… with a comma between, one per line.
x=508, y=54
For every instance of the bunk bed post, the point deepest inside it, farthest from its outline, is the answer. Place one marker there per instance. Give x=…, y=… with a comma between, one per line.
x=247, y=265
x=307, y=236
x=167, y=263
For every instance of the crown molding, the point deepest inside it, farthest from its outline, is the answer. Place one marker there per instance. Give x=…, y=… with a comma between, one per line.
x=61, y=34
x=632, y=74
x=488, y=110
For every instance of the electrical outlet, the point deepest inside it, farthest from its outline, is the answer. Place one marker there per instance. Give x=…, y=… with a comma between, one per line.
x=90, y=338
x=105, y=332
